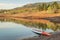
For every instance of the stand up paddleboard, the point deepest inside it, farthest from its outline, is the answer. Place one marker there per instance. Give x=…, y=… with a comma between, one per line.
x=41, y=32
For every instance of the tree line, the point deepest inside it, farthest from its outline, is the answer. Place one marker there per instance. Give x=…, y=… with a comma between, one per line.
x=50, y=7
x=53, y=7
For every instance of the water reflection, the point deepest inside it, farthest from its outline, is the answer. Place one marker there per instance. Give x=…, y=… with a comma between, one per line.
x=44, y=27
x=13, y=31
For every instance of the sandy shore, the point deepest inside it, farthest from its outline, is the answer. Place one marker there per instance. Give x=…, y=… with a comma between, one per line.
x=54, y=36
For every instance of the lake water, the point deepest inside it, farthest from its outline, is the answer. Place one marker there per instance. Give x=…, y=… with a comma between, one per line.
x=15, y=29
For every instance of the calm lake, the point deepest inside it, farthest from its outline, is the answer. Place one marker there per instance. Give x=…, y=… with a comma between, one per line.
x=13, y=31
x=10, y=30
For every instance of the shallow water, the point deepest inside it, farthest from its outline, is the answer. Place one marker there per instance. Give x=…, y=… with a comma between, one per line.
x=13, y=31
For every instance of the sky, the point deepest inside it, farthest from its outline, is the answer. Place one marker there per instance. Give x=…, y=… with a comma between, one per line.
x=9, y=4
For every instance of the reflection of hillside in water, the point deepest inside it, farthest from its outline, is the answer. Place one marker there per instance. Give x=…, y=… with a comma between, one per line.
x=55, y=19
x=44, y=24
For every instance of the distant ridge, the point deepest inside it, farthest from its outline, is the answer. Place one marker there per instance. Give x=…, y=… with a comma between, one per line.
x=36, y=4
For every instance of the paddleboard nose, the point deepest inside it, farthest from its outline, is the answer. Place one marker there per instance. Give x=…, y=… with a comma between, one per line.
x=46, y=34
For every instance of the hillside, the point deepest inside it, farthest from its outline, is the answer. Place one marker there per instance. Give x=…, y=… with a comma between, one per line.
x=35, y=11
x=34, y=7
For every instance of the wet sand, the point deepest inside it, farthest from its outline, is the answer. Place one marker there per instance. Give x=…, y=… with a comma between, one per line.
x=54, y=36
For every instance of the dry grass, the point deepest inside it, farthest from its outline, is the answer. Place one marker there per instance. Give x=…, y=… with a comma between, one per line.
x=41, y=14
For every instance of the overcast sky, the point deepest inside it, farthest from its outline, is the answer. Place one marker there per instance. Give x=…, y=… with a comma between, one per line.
x=9, y=4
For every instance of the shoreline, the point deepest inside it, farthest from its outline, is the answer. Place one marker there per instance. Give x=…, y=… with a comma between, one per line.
x=54, y=36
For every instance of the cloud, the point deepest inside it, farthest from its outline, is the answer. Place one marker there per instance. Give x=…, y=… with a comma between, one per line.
x=9, y=6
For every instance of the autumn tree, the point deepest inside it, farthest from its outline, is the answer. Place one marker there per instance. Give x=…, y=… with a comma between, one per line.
x=53, y=7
